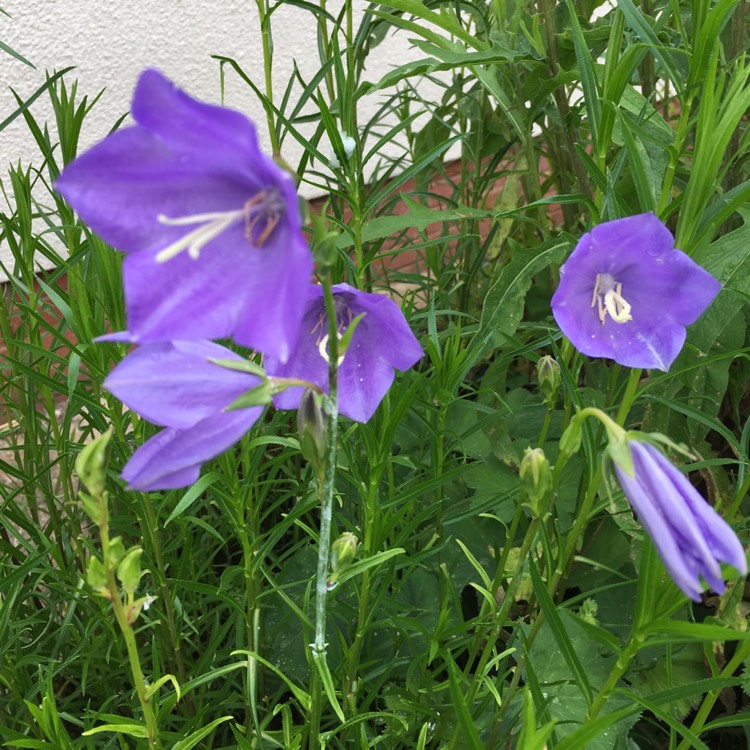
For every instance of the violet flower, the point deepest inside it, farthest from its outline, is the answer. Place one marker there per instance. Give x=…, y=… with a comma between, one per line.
x=381, y=343
x=625, y=293
x=210, y=225
x=690, y=536
x=175, y=384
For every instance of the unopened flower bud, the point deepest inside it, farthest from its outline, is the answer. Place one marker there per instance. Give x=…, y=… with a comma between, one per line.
x=549, y=378
x=536, y=477
x=570, y=441
x=96, y=576
x=91, y=464
x=311, y=423
x=116, y=552
x=343, y=552
x=325, y=249
x=129, y=570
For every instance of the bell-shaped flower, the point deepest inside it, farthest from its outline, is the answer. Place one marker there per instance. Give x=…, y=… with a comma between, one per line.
x=210, y=225
x=627, y=294
x=382, y=342
x=177, y=384
x=690, y=536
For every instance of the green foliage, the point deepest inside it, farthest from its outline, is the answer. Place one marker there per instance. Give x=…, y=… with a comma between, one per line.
x=457, y=618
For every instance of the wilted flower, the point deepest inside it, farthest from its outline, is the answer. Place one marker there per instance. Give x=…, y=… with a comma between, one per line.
x=691, y=537
x=381, y=343
x=625, y=293
x=210, y=225
x=177, y=385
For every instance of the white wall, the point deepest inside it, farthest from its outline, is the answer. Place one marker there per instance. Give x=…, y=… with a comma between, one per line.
x=111, y=42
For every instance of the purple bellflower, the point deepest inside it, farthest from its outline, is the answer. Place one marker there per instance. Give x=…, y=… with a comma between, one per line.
x=690, y=536
x=210, y=225
x=175, y=384
x=381, y=343
x=625, y=293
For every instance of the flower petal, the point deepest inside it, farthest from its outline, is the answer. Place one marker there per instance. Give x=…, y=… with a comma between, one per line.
x=671, y=504
x=188, y=185
x=256, y=295
x=174, y=383
x=173, y=457
x=221, y=136
x=386, y=322
x=721, y=538
x=680, y=570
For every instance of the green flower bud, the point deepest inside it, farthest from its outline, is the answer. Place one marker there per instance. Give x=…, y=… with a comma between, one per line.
x=91, y=464
x=570, y=441
x=129, y=570
x=116, y=552
x=549, y=378
x=325, y=250
x=96, y=576
x=311, y=423
x=536, y=477
x=343, y=552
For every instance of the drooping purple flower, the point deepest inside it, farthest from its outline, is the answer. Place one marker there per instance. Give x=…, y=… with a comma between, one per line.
x=175, y=384
x=627, y=294
x=690, y=536
x=209, y=224
x=381, y=343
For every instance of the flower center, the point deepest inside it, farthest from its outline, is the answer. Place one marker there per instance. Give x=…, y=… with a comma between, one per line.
x=261, y=214
x=343, y=319
x=608, y=298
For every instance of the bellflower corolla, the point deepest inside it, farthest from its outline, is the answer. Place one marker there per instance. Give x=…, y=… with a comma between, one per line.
x=175, y=384
x=627, y=294
x=690, y=536
x=209, y=224
x=381, y=343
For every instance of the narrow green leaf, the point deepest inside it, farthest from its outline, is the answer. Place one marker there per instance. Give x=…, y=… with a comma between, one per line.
x=559, y=633
x=469, y=733
x=195, y=737
x=133, y=730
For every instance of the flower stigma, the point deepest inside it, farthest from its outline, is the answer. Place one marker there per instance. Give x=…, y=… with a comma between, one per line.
x=344, y=318
x=260, y=214
x=607, y=287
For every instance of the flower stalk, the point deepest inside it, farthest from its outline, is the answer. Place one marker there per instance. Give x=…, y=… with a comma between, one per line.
x=326, y=482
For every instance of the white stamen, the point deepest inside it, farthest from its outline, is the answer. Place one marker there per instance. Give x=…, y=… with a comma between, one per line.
x=613, y=303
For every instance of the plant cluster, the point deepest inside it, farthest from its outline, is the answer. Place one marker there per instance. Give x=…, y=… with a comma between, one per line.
x=455, y=457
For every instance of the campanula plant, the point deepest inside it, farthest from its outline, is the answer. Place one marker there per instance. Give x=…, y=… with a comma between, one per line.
x=337, y=485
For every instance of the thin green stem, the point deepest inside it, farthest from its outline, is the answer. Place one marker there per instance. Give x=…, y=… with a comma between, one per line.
x=267, y=45
x=709, y=700
x=127, y=632
x=326, y=487
x=499, y=618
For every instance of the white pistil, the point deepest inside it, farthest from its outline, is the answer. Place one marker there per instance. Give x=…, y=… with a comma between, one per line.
x=323, y=348
x=613, y=303
x=212, y=225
